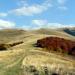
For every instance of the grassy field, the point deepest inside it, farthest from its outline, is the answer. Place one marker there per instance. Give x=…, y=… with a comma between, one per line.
x=18, y=59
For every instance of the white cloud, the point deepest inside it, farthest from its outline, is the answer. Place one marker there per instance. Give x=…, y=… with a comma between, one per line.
x=6, y=24
x=39, y=22
x=63, y=7
x=3, y=14
x=58, y=25
x=28, y=10
x=22, y=3
x=43, y=24
x=62, y=2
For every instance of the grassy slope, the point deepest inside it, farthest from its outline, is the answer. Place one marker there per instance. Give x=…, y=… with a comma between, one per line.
x=11, y=61
x=57, y=32
x=70, y=31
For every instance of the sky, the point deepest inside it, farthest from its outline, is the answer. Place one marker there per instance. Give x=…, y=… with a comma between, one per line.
x=34, y=14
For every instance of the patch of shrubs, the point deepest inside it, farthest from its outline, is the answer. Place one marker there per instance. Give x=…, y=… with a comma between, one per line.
x=6, y=46
x=57, y=44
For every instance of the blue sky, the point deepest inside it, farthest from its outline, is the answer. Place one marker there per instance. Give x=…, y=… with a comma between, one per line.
x=33, y=14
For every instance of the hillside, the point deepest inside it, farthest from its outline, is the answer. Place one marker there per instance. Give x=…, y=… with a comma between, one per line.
x=54, y=32
x=8, y=35
x=26, y=59
x=70, y=31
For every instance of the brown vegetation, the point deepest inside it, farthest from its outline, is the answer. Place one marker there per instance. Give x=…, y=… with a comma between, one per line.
x=6, y=46
x=57, y=44
x=16, y=43
x=3, y=47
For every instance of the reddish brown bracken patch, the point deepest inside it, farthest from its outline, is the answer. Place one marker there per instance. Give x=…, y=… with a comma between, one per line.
x=57, y=44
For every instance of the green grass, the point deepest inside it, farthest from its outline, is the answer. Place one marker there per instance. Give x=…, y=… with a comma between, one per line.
x=15, y=70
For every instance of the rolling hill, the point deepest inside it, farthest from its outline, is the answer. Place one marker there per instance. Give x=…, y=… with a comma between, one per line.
x=26, y=59
x=70, y=31
x=54, y=32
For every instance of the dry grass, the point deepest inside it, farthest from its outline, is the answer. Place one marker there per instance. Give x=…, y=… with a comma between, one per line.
x=14, y=59
x=40, y=60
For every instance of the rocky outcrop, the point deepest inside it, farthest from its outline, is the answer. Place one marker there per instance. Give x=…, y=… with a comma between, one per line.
x=57, y=44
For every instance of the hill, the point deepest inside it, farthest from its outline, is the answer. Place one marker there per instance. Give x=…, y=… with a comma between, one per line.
x=26, y=59
x=70, y=31
x=54, y=32
x=8, y=35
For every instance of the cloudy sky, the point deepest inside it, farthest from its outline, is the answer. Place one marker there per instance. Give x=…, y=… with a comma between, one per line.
x=33, y=14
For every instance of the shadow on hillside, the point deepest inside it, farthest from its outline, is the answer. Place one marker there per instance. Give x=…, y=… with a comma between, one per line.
x=7, y=46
